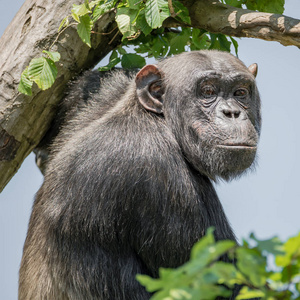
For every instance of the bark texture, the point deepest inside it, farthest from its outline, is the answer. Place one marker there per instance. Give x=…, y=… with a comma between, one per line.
x=25, y=119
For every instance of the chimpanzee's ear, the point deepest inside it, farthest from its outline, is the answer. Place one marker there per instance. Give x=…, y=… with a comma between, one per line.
x=253, y=69
x=149, y=88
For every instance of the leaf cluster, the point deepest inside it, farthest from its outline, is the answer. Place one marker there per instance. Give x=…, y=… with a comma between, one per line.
x=268, y=269
x=41, y=70
x=142, y=25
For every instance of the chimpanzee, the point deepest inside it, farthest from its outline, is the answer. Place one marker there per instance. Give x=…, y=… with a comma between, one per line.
x=128, y=187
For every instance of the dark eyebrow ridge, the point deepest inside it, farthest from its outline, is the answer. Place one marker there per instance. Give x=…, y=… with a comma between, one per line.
x=226, y=76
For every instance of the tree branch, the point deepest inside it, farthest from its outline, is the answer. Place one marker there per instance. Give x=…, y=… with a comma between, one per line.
x=24, y=120
x=216, y=17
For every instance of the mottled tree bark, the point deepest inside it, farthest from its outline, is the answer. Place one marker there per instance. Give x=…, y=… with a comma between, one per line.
x=25, y=119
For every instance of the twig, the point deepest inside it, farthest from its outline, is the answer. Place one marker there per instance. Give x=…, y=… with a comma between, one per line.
x=59, y=34
x=114, y=37
x=105, y=33
x=171, y=8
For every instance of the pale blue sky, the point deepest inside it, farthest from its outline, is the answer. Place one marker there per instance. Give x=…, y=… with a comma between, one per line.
x=266, y=201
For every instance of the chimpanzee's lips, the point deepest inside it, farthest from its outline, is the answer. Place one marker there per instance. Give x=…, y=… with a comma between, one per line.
x=238, y=146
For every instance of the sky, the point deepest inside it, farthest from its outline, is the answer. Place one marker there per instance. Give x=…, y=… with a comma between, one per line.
x=266, y=201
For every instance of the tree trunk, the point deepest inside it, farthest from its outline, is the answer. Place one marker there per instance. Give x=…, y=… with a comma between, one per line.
x=25, y=119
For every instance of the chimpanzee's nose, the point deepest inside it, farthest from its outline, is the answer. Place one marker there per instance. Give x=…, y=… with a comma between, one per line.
x=232, y=113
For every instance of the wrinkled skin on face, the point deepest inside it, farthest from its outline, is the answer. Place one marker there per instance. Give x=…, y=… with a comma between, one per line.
x=213, y=106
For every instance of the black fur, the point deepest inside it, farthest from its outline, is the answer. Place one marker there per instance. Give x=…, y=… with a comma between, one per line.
x=128, y=190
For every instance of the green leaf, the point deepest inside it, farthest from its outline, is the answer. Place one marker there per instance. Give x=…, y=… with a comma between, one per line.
x=200, y=292
x=84, y=29
x=55, y=56
x=221, y=273
x=25, y=84
x=246, y=293
x=292, y=252
x=125, y=18
x=220, y=42
x=160, y=47
x=81, y=10
x=251, y=4
x=121, y=50
x=75, y=17
x=180, y=294
x=156, y=11
x=203, y=243
x=134, y=4
x=213, y=41
x=235, y=44
x=113, y=55
x=179, y=41
x=92, y=4
x=235, y=3
x=132, y=61
x=252, y=265
x=274, y=6
x=206, y=250
x=272, y=246
x=206, y=255
x=270, y=6
x=113, y=62
x=43, y=72
x=200, y=39
x=224, y=43
x=181, y=11
x=142, y=24
x=150, y=283
x=64, y=23
x=289, y=272
x=101, y=9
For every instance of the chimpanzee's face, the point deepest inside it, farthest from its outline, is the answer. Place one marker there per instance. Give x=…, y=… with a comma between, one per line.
x=212, y=106
x=221, y=122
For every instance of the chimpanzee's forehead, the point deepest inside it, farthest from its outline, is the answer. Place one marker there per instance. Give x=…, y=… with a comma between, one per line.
x=194, y=62
x=223, y=63
x=232, y=74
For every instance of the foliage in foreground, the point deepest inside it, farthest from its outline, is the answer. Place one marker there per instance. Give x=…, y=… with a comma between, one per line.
x=268, y=269
x=141, y=26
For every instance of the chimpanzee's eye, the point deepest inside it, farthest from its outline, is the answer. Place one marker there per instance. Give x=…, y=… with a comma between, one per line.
x=241, y=93
x=208, y=91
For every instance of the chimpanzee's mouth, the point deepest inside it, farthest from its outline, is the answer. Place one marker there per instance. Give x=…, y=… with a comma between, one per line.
x=238, y=146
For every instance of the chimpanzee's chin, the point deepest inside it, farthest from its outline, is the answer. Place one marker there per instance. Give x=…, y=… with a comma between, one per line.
x=236, y=159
